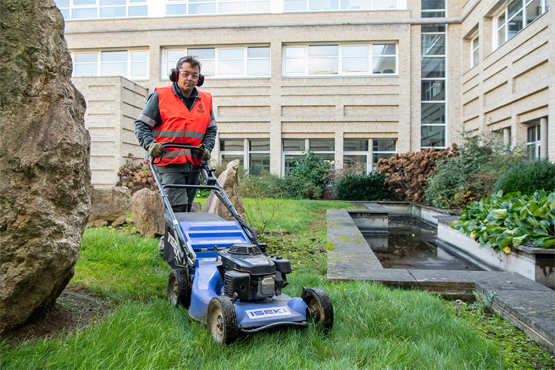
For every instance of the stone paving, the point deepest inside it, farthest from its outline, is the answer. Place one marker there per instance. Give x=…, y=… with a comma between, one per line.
x=528, y=305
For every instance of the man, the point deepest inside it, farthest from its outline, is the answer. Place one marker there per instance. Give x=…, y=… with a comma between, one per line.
x=182, y=114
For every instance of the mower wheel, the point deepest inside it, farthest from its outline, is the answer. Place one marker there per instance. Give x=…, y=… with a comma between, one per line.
x=319, y=307
x=179, y=288
x=222, y=320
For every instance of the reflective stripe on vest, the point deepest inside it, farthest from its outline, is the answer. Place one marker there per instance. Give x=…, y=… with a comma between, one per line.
x=179, y=125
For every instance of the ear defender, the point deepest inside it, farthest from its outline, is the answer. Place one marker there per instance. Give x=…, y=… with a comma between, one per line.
x=174, y=77
x=200, y=80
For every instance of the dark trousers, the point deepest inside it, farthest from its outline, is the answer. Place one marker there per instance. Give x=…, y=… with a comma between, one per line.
x=180, y=197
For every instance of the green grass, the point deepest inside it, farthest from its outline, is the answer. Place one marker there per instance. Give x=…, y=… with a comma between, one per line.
x=120, y=266
x=375, y=327
x=289, y=215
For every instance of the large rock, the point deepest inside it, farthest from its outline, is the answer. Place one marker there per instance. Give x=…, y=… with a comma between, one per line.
x=44, y=161
x=148, y=212
x=229, y=179
x=109, y=206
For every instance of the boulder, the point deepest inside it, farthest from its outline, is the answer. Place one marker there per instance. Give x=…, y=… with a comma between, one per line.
x=196, y=207
x=148, y=212
x=229, y=179
x=109, y=206
x=44, y=161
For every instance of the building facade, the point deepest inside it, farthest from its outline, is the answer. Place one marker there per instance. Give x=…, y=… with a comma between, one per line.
x=351, y=80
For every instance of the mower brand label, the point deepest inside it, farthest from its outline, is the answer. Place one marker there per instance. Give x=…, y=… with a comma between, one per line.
x=268, y=312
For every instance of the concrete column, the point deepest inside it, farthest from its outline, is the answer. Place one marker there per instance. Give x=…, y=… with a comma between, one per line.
x=370, y=160
x=275, y=108
x=246, y=159
x=543, y=138
x=216, y=151
x=339, y=150
x=507, y=135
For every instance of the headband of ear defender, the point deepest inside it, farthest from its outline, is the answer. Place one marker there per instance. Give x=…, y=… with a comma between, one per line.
x=174, y=76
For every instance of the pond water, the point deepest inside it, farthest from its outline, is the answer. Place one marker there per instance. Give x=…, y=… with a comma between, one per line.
x=411, y=244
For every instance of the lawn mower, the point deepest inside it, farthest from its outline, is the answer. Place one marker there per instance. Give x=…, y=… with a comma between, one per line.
x=222, y=274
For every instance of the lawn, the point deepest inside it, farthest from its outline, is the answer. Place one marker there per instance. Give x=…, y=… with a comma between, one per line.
x=375, y=326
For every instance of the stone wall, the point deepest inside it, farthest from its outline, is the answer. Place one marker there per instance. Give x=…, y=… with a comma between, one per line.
x=113, y=105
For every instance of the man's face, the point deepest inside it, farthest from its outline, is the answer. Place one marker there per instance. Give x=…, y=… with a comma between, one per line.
x=187, y=84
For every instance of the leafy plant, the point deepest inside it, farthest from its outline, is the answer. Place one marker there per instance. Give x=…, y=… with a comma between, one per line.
x=313, y=168
x=364, y=187
x=406, y=173
x=528, y=178
x=461, y=179
x=501, y=221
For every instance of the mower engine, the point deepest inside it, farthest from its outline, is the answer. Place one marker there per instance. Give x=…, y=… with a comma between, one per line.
x=250, y=274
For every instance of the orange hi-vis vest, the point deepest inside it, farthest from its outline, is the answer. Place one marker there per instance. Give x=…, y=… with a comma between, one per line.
x=179, y=125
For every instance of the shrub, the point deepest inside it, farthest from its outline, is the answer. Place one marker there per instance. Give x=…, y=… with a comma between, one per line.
x=310, y=168
x=406, y=173
x=364, y=187
x=136, y=177
x=470, y=175
x=528, y=178
x=501, y=221
x=272, y=186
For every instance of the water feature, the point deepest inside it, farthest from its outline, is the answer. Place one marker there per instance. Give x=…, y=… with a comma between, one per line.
x=411, y=244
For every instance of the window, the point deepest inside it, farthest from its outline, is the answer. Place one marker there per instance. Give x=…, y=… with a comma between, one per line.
x=224, y=62
x=259, y=156
x=324, y=148
x=433, y=74
x=294, y=148
x=327, y=5
x=517, y=15
x=533, y=144
x=340, y=59
x=355, y=155
x=128, y=64
x=432, y=9
x=475, y=51
x=93, y=9
x=232, y=149
x=256, y=159
x=202, y=7
x=383, y=149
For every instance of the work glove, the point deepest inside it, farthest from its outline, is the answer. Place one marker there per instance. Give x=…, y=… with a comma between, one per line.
x=155, y=149
x=203, y=153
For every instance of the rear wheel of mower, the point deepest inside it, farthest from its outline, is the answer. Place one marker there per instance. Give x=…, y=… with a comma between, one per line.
x=222, y=320
x=319, y=307
x=179, y=288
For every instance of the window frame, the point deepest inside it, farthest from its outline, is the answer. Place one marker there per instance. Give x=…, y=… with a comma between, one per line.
x=374, y=152
x=536, y=144
x=217, y=3
x=340, y=56
x=504, y=11
x=339, y=7
x=67, y=11
x=473, y=61
x=444, y=79
x=99, y=63
x=165, y=70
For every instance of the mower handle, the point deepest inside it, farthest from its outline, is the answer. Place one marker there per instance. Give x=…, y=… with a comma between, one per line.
x=178, y=146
